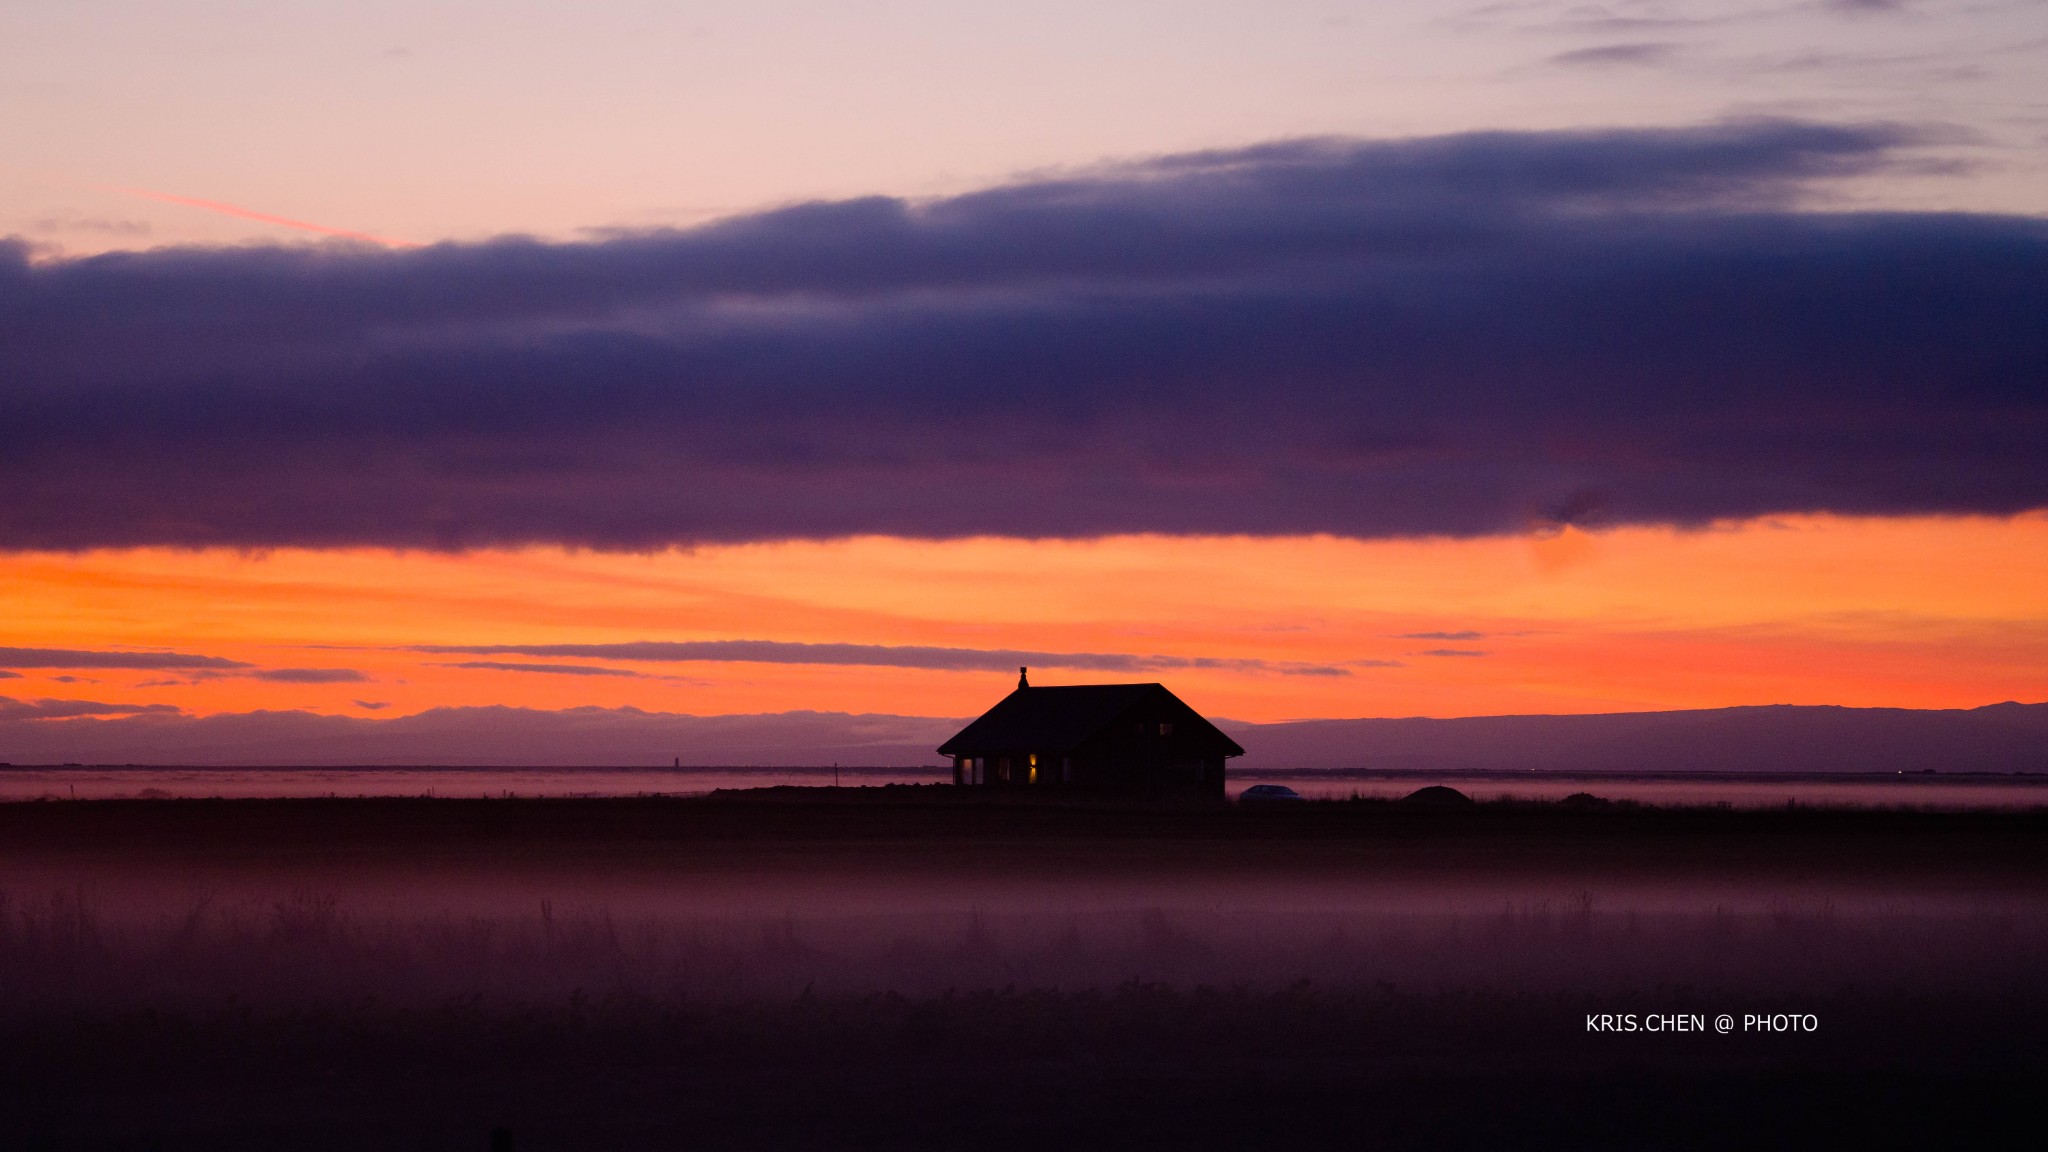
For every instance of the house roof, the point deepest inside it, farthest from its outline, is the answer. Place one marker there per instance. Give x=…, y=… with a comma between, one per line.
x=1058, y=719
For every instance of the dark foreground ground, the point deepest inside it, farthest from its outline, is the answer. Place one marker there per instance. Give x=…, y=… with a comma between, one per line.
x=910, y=971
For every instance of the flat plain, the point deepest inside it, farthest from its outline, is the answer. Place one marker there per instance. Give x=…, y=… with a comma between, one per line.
x=807, y=968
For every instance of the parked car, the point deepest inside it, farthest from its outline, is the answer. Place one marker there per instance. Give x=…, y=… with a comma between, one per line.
x=1269, y=794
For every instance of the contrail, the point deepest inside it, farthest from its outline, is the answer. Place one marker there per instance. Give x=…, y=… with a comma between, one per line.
x=265, y=217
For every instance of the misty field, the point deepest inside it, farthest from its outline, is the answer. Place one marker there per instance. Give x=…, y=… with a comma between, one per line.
x=869, y=970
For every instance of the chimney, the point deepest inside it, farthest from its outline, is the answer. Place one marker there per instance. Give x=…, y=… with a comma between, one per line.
x=1021, y=681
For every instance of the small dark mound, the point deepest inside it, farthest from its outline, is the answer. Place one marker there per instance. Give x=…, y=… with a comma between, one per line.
x=1584, y=800
x=1437, y=796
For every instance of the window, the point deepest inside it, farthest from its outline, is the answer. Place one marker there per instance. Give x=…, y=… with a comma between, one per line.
x=1033, y=777
x=1166, y=729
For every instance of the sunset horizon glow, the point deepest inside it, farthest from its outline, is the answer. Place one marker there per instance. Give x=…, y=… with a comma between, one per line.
x=1873, y=612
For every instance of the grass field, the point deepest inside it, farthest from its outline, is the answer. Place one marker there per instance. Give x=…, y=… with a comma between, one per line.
x=902, y=968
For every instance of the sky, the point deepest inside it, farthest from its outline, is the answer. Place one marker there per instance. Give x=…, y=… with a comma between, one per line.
x=1317, y=360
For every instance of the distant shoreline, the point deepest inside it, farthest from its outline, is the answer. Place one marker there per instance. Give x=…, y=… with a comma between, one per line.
x=1930, y=790
x=942, y=771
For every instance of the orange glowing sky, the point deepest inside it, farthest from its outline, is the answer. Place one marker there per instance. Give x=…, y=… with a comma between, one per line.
x=1949, y=612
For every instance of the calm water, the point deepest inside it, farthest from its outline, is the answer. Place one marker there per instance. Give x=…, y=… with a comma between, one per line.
x=1921, y=791
x=101, y=783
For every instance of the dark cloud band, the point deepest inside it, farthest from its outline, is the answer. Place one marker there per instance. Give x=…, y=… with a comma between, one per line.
x=1459, y=335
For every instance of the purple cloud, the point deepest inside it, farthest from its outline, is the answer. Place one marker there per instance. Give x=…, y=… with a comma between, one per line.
x=1612, y=55
x=1446, y=336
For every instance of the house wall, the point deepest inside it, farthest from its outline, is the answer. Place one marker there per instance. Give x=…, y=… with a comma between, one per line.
x=1152, y=748
x=1135, y=755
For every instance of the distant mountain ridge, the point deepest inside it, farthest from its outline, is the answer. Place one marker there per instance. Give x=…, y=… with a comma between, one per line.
x=2006, y=737
x=494, y=735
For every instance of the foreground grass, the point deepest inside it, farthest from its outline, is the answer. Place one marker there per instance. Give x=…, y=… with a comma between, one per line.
x=791, y=972
x=1135, y=1066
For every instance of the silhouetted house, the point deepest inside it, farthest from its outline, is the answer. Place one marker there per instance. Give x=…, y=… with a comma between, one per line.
x=1135, y=738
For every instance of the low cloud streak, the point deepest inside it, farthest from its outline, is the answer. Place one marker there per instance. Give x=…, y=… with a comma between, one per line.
x=866, y=655
x=310, y=675
x=87, y=658
x=556, y=669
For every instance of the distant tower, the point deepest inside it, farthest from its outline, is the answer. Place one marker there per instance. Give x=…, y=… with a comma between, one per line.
x=1021, y=681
